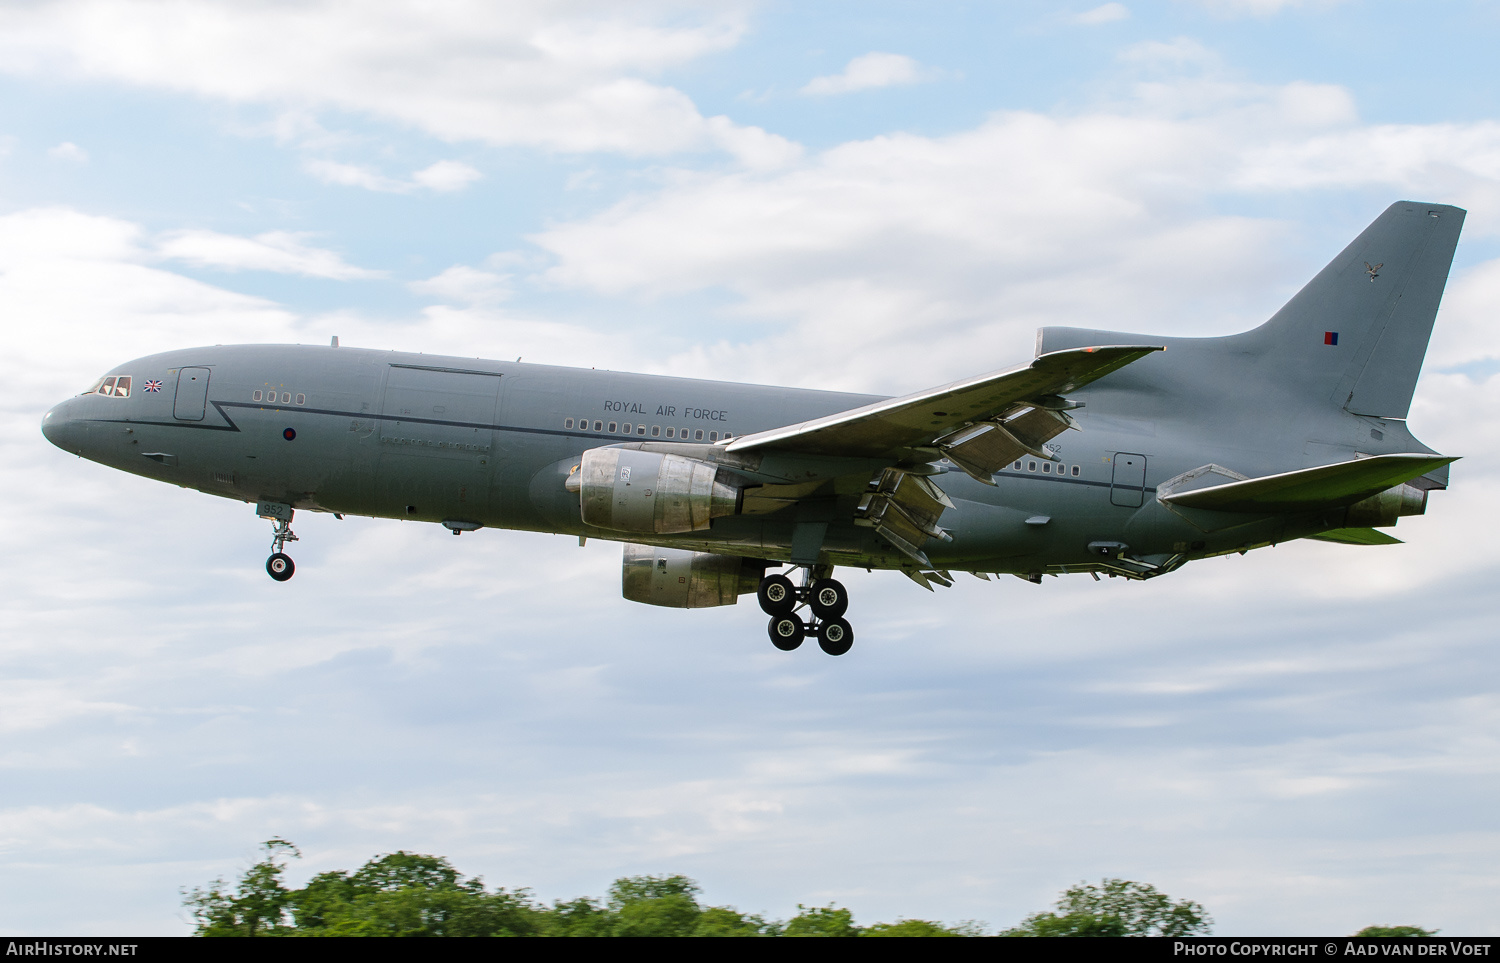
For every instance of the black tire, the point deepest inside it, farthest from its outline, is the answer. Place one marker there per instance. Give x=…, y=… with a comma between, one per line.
x=776, y=594
x=829, y=599
x=280, y=567
x=835, y=636
x=786, y=631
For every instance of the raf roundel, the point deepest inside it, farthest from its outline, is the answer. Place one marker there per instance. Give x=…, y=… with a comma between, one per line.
x=289, y=434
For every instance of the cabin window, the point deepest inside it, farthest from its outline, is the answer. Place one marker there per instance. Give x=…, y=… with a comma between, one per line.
x=255, y=396
x=698, y=435
x=656, y=431
x=640, y=429
x=713, y=436
x=1046, y=468
x=1018, y=466
x=1075, y=471
x=626, y=429
x=598, y=426
x=670, y=431
x=301, y=398
x=1031, y=466
x=567, y=422
x=612, y=426
x=286, y=397
x=727, y=436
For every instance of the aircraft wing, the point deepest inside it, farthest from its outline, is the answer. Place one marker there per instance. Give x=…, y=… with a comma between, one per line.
x=980, y=424
x=1343, y=483
x=922, y=419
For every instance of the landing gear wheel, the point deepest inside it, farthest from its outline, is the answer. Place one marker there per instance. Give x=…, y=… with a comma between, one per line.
x=828, y=599
x=835, y=636
x=786, y=631
x=279, y=566
x=777, y=595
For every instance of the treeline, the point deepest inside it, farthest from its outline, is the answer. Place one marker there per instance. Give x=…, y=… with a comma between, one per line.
x=409, y=894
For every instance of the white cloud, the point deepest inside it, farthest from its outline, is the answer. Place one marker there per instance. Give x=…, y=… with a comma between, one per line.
x=1105, y=13
x=1169, y=54
x=868, y=72
x=904, y=246
x=1261, y=8
x=69, y=152
x=446, y=176
x=574, y=77
x=465, y=285
x=441, y=177
x=280, y=251
x=353, y=175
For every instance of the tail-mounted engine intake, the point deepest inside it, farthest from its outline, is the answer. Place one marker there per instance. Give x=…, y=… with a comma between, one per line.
x=625, y=490
x=687, y=580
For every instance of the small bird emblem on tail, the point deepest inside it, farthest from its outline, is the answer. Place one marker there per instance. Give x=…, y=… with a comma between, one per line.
x=1373, y=271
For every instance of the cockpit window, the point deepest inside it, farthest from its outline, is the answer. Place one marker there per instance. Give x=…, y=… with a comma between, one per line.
x=114, y=386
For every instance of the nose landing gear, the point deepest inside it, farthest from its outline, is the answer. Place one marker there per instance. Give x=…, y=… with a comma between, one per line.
x=827, y=600
x=279, y=566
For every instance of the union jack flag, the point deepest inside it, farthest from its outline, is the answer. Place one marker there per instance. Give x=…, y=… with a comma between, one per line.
x=153, y=385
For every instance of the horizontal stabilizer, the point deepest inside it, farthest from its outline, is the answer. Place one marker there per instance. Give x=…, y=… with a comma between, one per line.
x=1327, y=486
x=1357, y=536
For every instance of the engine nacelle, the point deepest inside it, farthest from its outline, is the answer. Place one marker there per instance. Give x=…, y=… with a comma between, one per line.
x=687, y=580
x=1382, y=510
x=625, y=490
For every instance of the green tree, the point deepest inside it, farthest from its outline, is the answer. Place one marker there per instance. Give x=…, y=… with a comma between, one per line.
x=410, y=894
x=1416, y=931
x=1116, y=907
x=913, y=928
x=258, y=905
x=728, y=921
x=578, y=917
x=821, y=921
x=655, y=905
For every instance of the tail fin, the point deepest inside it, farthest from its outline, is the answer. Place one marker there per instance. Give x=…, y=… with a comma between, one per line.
x=1357, y=332
x=1353, y=338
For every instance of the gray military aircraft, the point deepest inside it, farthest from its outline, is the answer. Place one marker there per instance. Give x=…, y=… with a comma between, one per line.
x=1181, y=449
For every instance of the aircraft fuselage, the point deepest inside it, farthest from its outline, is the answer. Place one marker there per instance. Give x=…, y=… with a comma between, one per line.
x=489, y=443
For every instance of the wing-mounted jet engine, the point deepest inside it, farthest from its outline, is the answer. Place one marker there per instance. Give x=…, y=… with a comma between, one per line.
x=648, y=492
x=680, y=579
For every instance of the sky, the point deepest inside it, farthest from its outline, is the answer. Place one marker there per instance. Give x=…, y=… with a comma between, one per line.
x=865, y=196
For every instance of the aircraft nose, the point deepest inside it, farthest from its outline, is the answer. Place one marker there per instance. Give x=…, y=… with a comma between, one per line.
x=60, y=427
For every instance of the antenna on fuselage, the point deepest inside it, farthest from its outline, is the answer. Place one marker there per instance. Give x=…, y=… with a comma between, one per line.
x=335, y=342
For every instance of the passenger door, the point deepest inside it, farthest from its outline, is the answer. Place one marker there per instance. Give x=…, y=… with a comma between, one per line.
x=1128, y=484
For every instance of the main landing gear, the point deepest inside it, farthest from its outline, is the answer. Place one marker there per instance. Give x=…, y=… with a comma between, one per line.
x=826, y=599
x=279, y=566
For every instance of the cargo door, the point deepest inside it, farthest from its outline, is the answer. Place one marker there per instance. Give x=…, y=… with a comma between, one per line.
x=436, y=441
